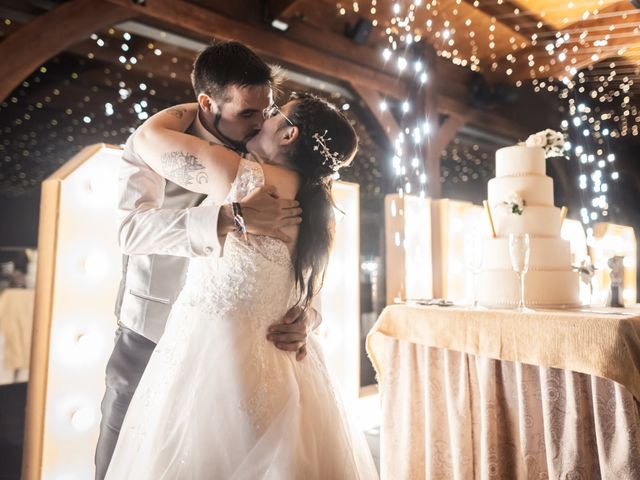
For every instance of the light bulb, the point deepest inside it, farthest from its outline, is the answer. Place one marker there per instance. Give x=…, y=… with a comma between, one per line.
x=83, y=419
x=96, y=264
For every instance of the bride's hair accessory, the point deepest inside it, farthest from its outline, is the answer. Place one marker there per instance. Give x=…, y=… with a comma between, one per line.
x=238, y=220
x=331, y=159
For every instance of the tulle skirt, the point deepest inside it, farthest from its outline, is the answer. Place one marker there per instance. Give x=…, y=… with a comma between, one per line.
x=218, y=401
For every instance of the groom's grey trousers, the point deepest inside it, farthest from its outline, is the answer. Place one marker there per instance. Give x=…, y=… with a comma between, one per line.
x=130, y=356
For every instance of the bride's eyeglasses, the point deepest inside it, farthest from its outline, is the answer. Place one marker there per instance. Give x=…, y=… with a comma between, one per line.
x=272, y=111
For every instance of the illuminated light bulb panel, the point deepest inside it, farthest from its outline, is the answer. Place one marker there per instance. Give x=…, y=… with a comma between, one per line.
x=339, y=302
x=453, y=220
x=609, y=240
x=573, y=232
x=79, y=268
x=409, y=273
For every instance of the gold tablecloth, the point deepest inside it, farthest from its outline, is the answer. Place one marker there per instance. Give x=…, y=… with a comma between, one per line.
x=604, y=345
x=16, y=322
x=503, y=395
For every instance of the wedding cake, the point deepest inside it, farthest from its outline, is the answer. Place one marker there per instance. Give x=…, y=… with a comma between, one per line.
x=520, y=200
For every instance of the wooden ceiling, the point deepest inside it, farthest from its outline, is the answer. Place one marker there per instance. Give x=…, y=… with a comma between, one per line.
x=504, y=39
x=582, y=50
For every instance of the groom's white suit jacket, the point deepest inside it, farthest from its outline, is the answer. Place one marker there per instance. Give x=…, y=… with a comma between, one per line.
x=162, y=227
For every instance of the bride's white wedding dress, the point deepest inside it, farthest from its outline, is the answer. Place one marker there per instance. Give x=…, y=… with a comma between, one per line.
x=219, y=401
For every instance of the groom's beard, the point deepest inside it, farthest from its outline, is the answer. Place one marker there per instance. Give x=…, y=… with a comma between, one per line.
x=234, y=144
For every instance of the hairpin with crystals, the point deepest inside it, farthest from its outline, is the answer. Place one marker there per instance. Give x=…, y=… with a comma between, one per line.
x=331, y=159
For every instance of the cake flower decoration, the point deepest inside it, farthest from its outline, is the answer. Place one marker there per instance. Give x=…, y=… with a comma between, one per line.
x=551, y=141
x=513, y=204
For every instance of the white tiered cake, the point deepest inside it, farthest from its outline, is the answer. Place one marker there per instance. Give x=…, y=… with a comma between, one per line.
x=550, y=280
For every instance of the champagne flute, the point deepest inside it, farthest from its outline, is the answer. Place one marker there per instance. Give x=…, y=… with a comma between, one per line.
x=519, y=250
x=473, y=255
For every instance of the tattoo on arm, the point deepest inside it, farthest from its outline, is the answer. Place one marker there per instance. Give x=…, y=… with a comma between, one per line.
x=177, y=112
x=183, y=168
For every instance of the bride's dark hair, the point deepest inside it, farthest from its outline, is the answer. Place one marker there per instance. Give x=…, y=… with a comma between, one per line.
x=326, y=142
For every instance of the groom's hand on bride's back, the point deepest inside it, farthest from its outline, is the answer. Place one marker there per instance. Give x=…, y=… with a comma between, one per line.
x=291, y=333
x=266, y=214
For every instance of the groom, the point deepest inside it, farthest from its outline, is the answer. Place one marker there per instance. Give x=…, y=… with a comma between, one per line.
x=164, y=226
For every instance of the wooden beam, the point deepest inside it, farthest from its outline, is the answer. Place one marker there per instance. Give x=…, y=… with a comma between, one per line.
x=281, y=8
x=51, y=33
x=372, y=99
x=250, y=11
x=339, y=46
x=526, y=22
x=333, y=43
x=557, y=69
x=266, y=42
x=490, y=121
x=446, y=133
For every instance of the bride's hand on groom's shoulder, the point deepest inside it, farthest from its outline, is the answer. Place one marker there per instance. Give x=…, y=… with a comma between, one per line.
x=266, y=214
x=292, y=331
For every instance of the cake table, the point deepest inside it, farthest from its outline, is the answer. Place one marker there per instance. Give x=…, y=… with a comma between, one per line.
x=501, y=394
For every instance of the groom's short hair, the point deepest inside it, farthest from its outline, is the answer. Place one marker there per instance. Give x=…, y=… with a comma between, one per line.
x=230, y=63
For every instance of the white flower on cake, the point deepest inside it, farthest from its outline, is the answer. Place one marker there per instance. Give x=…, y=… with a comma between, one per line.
x=514, y=204
x=536, y=141
x=551, y=141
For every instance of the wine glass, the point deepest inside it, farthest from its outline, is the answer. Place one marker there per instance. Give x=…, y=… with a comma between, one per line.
x=519, y=250
x=473, y=256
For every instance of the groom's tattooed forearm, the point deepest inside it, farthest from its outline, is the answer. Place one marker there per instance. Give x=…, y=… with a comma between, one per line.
x=177, y=112
x=183, y=168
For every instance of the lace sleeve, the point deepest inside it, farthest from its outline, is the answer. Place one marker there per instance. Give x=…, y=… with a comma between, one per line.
x=250, y=176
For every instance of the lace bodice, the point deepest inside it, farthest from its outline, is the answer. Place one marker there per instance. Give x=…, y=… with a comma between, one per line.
x=252, y=279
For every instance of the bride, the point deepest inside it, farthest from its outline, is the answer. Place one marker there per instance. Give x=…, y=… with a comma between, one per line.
x=217, y=401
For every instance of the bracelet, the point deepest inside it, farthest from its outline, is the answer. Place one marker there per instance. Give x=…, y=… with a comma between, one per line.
x=238, y=220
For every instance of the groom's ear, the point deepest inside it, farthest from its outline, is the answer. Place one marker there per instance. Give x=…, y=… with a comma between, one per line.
x=206, y=103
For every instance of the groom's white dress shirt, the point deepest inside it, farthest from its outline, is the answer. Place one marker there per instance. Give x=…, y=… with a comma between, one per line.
x=163, y=227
